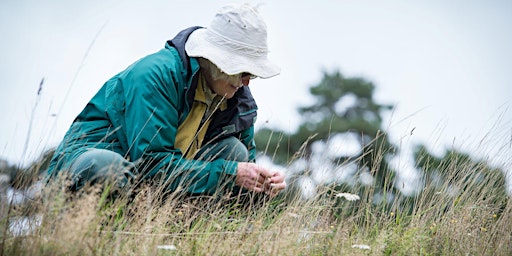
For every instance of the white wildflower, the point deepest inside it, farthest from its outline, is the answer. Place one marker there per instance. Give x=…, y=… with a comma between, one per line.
x=361, y=246
x=167, y=247
x=293, y=215
x=348, y=196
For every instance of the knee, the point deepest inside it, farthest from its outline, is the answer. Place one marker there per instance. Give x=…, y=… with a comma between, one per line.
x=233, y=149
x=98, y=165
x=228, y=149
x=237, y=151
x=98, y=160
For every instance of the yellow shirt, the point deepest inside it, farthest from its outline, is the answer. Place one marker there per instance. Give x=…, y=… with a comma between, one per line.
x=191, y=133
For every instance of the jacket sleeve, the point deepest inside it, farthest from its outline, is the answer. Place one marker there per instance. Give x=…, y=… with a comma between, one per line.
x=153, y=102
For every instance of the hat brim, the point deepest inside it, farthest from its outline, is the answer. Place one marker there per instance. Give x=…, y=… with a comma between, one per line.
x=230, y=62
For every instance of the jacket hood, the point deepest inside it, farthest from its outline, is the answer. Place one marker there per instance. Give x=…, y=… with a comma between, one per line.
x=179, y=41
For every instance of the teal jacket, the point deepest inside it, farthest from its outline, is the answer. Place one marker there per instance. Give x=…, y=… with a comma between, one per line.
x=137, y=113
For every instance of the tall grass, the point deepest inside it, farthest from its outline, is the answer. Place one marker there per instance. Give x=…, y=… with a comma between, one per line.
x=475, y=221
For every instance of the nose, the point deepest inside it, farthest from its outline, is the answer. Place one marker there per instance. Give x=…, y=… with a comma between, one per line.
x=246, y=80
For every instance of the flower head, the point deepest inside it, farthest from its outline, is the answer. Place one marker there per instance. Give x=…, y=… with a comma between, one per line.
x=348, y=196
x=361, y=246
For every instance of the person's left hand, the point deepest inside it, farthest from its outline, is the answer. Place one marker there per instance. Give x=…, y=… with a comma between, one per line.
x=276, y=184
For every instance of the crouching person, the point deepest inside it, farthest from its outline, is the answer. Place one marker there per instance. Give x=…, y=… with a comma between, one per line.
x=182, y=118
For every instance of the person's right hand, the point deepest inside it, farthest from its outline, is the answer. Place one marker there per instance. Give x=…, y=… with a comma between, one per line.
x=253, y=177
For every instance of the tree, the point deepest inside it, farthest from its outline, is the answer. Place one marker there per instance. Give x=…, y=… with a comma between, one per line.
x=343, y=108
x=459, y=174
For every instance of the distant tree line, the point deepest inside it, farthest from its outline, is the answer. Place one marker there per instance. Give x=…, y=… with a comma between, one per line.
x=344, y=107
x=22, y=177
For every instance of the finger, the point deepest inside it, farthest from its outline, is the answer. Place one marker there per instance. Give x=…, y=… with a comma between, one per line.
x=255, y=178
x=255, y=188
x=278, y=186
x=273, y=189
x=265, y=173
x=258, y=185
x=277, y=178
x=267, y=185
x=254, y=185
x=262, y=180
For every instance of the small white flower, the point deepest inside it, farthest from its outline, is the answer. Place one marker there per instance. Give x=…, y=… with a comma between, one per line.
x=348, y=196
x=361, y=246
x=167, y=247
x=293, y=215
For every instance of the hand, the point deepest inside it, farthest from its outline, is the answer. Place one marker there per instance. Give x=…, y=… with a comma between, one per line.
x=277, y=184
x=258, y=179
x=253, y=177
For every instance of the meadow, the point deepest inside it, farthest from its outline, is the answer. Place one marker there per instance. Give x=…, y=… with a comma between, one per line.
x=148, y=222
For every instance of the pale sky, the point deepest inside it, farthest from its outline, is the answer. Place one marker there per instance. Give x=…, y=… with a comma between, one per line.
x=445, y=65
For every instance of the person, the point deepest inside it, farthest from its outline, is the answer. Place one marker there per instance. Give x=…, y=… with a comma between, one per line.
x=182, y=117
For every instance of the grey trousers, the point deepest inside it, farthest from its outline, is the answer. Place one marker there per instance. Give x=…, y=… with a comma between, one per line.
x=101, y=165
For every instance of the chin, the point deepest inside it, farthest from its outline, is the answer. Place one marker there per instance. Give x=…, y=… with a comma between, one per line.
x=229, y=96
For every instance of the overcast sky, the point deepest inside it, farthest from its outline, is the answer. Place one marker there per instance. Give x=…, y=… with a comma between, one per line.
x=445, y=65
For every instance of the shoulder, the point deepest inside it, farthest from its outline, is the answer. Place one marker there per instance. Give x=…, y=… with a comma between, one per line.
x=166, y=59
x=160, y=69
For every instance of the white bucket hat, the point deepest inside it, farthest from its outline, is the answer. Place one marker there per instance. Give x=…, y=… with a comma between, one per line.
x=235, y=41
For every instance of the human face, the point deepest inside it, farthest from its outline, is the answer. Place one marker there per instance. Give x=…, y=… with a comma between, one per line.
x=228, y=87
